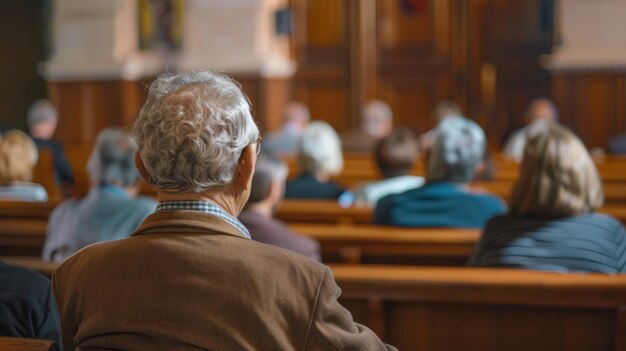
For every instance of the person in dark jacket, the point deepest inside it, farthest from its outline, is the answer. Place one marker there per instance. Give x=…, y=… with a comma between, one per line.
x=268, y=185
x=27, y=307
x=552, y=224
x=42, y=121
x=320, y=158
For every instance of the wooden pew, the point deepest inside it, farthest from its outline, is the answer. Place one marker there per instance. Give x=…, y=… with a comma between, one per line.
x=321, y=211
x=471, y=309
x=391, y=245
x=328, y=211
x=32, y=263
x=44, y=172
x=23, y=227
x=21, y=344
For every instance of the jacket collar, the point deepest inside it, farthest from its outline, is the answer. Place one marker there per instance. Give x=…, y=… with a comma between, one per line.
x=188, y=222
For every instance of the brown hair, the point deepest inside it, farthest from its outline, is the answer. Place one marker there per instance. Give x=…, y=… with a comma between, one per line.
x=18, y=156
x=557, y=177
x=396, y=153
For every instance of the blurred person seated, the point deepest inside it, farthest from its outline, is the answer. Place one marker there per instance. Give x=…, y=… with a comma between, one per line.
x=320, y=157
x=190, y=278
x=540, y=115
x=296, y=117
x=376, y=123
x=27, y=307
x=442, y=110
x=552, y=224
x=446, y=200
x=18, y=157
x=42, y=121
x=110, y=211
x=396, y=155
x=268, y=185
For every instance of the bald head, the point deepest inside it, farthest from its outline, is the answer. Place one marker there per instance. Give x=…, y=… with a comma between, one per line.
x=377, y=118
x=296, y=116
x=541, y=110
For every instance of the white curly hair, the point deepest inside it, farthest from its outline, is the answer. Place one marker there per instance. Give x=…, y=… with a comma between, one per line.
x=192, y=131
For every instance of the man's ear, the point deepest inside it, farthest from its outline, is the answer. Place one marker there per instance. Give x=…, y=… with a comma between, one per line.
x=245, y=168
x=141, y=168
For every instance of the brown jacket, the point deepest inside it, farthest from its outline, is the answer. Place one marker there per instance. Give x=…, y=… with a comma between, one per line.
x=187, y=280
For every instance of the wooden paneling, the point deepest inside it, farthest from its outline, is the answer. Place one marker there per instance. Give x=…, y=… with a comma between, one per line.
x=592, y=104
x=86, y=107
x=414, y=59
x=321, y=46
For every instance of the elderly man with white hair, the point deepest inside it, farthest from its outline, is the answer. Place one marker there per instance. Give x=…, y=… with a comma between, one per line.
x=111, y=210
x=42, y=121
x=446, y=200
x=190, y=278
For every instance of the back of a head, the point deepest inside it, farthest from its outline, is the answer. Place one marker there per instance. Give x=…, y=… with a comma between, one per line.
x=18, y=157
x=41, y=111
x=377, y=118
x=297, y=113
x=192, y=131
x=396, y=153
x=269, y=168
x=458, y=148
x=558, y=177
x=112, y=159
x=542, y=109
x=446, y=108
x=320, y=149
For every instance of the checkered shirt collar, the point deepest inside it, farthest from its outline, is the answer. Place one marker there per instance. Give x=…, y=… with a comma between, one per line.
x=206, y=207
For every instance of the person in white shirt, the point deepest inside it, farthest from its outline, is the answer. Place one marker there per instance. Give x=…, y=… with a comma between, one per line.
x=540, y=115
x=396, y=155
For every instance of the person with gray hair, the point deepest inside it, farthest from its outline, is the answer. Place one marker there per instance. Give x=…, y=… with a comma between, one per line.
x=190, y=278
x=268, y=185
x=376, y=123
x=111, y=209
x=42, y=121
x=446, y=200
x=296, y=116
x=320, y=157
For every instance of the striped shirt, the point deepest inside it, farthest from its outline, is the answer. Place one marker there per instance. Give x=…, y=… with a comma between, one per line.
x=206, y=207
x=584, y=243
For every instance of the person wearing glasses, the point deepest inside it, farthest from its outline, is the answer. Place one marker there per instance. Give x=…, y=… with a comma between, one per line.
x=190, y=278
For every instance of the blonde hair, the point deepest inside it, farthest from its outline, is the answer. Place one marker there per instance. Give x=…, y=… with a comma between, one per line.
x=18, y=156
x=558, y=177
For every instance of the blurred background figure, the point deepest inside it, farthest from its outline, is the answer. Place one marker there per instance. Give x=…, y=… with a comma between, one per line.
x=296, y=116
x=376, y=123
x=18, y=157
x=111, y=210
x=268, y=185
x=27, y=306
x=396, y=155
x=442, y=110
x=552, y=224
x=540, y=115
x=320, y=157
x=42, y=121
x=445, y=200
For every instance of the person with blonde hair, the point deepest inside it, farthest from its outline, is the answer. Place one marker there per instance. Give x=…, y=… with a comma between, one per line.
x=18, y=157
x=552, y=223
x=320, y=157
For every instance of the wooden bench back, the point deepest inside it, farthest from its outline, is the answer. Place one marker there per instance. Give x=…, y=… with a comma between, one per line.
x=446, y=309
